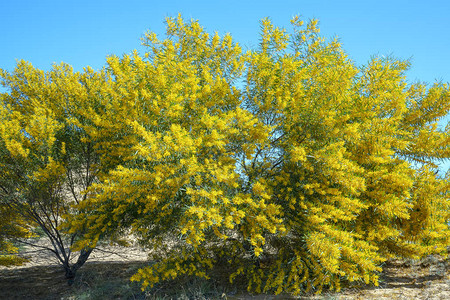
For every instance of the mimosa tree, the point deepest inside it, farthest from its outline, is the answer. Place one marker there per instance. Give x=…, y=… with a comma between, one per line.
x=45, y=161
x=287, y=165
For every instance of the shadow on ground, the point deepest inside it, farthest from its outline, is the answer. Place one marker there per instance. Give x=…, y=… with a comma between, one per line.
x=426, y=279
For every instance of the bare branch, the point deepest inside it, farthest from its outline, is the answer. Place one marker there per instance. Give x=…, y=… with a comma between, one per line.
x=37, y=246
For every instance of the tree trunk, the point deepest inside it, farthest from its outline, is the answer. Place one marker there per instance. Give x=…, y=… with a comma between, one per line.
x=71, y=270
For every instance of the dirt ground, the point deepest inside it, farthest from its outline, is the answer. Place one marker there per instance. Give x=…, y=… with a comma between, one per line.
x=105, y=276
x=427, y=279
x=43, y=278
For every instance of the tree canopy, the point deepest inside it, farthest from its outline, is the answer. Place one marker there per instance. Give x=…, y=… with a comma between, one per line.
x=287, y=163
x=45, y=163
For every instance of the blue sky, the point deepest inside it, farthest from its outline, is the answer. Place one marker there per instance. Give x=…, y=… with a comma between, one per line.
x=83, y=32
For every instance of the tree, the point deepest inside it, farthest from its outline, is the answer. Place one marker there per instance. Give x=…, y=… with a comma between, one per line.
x=288, y=162
x=45, y=164
x=287, y=165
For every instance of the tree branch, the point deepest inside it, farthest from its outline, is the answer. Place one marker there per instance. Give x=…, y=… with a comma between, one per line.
x=38, y=246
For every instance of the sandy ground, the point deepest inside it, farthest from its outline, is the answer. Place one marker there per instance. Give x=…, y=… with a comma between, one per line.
x=427, y=279
x=41, y=257
x=42, y=278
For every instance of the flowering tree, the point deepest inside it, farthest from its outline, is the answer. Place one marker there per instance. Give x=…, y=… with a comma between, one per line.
x=287, y=164
x=45, y=163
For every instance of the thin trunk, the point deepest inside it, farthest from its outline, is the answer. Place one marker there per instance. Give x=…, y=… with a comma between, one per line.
x=71, y=270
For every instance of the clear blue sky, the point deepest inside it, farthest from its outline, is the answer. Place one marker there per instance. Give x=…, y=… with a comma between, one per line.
x=84, y=32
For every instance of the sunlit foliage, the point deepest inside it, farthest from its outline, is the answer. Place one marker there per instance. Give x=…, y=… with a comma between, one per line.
x=45, y=162
x=288, y=165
